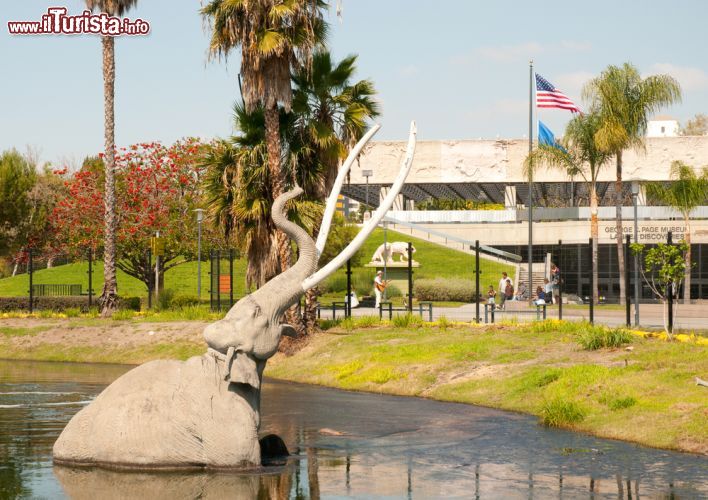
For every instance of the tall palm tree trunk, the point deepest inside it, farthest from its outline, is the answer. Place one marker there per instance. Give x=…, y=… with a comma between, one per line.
x=109, y=296
x=687, y=280
x=619, y=200
x=594, y=233
x=277, y=183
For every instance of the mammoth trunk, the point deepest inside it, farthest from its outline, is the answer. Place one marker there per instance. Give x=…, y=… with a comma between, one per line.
x=286, y=289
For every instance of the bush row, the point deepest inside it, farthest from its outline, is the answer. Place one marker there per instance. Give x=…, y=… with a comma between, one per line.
x=444, y=289
x=61, y=303
x=362, y=283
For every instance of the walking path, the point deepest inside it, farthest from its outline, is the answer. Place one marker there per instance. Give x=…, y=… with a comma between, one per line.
x=690, y=317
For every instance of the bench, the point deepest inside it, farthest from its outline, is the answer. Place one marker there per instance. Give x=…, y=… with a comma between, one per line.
x=334, y=306
x=63, y=290
x=490, y=311
x=423, y=306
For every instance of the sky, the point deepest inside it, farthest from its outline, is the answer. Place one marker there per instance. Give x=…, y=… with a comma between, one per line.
x=460, y=68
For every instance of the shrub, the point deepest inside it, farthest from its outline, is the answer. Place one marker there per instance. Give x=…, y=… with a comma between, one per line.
x=598, y=337
x=367, y=321
x=326, y=324
x=393, y=291
x=129, y=303
x=122, y=315
x=548, y=377
x=362, y=283
x=444, y=289
x=72, y=312
x=182, y=301
x=559, y=412
x=620, y=403
x=58, y=304
x=164, y=299
x=443, y=323
x=615, y=402
x=406, y=321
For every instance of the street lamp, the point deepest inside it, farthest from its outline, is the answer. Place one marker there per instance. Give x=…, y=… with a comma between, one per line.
x=200, y=218
x=635, y=195
x=367, y=174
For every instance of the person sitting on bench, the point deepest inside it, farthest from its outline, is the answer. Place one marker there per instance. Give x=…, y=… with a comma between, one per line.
x=540, y=297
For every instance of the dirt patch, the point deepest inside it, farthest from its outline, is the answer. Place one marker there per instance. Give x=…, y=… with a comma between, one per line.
x=112, y=334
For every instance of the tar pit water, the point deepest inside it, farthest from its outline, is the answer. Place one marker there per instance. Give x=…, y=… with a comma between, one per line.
x=343, y=445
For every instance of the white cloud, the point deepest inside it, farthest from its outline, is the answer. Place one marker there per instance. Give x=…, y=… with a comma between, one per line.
x=510, y=106
x=410, y=70
x=689, y=77
x=575, y=46
x=572, y=83
x=506, y=53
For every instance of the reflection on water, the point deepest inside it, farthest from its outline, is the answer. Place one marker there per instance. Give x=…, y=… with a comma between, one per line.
x=343, y=444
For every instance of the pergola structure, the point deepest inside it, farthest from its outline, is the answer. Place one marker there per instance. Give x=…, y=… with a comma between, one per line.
x=574, y=193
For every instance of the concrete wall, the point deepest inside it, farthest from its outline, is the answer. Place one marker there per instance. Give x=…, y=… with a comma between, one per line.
x=547, y=233
x=502, y=161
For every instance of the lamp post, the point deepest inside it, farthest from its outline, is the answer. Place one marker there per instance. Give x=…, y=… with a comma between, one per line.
x=367, y=174
x=385, y=252
x=635, y=195
x=200, y=218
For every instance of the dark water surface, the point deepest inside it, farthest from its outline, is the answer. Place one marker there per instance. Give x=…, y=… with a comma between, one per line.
x=345, y=445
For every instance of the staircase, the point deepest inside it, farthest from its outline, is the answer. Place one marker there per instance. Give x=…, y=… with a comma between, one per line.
x=539, y=274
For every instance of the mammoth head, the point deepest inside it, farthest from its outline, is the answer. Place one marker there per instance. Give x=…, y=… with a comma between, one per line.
x=252, y=329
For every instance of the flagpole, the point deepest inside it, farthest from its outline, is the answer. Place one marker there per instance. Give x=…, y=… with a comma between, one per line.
x=530, y=196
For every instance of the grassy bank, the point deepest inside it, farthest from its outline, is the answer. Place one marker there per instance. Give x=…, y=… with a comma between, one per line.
x=646, y=394
x=436, y=261
x=637, y=389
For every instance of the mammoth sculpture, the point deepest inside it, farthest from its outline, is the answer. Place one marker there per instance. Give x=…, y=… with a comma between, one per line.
x=386, y=251
x=205, y=412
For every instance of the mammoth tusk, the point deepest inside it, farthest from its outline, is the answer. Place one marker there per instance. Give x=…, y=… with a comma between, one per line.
x=337, y=188
x=376, y=217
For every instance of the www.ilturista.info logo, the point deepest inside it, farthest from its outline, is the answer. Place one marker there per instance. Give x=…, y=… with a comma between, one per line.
x=57, y=22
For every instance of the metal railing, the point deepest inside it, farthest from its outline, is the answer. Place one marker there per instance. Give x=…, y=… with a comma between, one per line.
x=56, y=290
x=539, y=214
x=466, y=243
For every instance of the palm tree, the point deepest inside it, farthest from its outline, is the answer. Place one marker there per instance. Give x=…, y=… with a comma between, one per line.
x=238, y=192
x=109, y=296
x=686, y=192
x=578, y=155
x=625, y=101
x=331, y=115
x=273, y=35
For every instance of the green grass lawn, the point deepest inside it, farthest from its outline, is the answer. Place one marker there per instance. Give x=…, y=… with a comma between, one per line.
x=646, y=395
x=435, y=261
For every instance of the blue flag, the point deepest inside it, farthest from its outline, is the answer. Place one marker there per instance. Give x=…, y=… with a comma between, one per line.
x=545, y=136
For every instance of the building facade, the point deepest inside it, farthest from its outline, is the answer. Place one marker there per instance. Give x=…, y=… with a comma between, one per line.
x=492, y=171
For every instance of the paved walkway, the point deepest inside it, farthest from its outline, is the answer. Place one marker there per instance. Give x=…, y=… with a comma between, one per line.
x=693, y=316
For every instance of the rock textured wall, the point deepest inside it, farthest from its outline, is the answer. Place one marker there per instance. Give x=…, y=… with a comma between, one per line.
x=502, y=161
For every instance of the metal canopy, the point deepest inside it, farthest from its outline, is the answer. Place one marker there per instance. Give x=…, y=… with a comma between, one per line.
x=545, y=194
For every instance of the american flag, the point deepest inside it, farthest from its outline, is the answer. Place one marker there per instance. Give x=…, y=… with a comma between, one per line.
x=547, y=96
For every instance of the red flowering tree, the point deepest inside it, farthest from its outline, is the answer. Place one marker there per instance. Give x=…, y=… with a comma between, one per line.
x=157, y=189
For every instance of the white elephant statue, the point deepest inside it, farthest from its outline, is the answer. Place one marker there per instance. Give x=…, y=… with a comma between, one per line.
x=386, y=251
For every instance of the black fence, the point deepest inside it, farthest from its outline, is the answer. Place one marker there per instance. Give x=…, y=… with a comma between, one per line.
x=221, y=282
x=56, y=290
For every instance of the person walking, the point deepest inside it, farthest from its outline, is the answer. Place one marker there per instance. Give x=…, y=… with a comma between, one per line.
x=502, y=289
x=555, y=280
